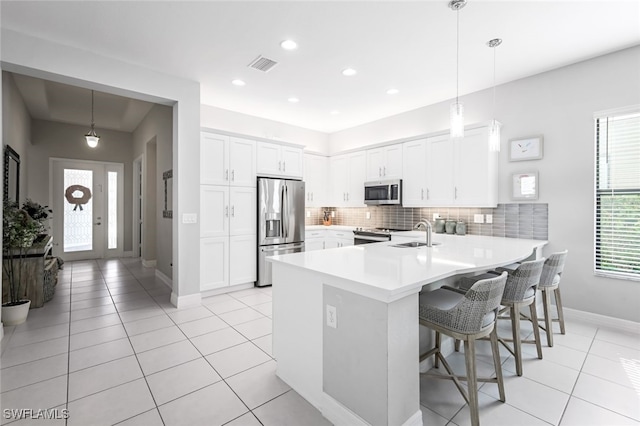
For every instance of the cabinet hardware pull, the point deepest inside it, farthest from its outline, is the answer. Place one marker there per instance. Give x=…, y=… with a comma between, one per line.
x=455, y=194
x=233, y=175
x=427, y=193
x=284, y=166
x=226, y=174
x=280, y=165
x=226, y=211
x=312, y=196
x=379, y=171
x=233, y=211
x=384, y=170
x=347, y=196
x=422, y=194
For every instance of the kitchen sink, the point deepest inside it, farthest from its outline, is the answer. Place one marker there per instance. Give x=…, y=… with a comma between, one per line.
x=413, y=244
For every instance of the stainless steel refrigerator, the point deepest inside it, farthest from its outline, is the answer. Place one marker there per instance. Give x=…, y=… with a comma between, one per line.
x=280, y=222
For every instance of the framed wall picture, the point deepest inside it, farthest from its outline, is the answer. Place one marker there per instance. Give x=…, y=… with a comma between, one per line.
x=526, y=148
x=524, y=186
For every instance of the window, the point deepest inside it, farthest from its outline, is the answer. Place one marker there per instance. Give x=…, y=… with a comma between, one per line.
x=617, y=215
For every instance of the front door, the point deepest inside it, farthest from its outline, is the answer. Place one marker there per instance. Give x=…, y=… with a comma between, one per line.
x=87, y=204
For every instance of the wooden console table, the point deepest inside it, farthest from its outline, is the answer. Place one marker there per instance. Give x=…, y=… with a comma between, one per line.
x=39, y=271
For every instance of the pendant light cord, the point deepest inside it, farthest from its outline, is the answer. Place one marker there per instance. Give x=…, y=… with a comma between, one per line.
x=494, y=82
x=92, y=122
x=457, y=51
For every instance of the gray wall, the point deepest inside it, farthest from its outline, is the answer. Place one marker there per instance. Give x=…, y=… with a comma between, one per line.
x=153, y=139
x=50, y=139
x=16, y=130
x=558, y=104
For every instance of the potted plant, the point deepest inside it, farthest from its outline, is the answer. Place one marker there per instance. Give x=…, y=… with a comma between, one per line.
x=37, y=212
x=19, y=231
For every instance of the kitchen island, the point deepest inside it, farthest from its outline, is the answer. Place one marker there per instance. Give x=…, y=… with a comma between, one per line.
x=345, y=321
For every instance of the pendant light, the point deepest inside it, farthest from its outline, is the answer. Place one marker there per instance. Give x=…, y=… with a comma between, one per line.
x=494, y=129
x=92, y=138
x=457, y=110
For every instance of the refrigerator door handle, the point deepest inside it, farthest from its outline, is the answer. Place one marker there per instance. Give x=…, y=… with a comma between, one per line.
x=285, y=212
x=265, y=249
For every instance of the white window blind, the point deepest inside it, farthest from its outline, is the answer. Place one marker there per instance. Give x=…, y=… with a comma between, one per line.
x=617, y=245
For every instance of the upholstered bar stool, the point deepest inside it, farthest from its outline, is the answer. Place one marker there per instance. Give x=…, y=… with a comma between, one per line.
x=467, y=316
x=520, y=291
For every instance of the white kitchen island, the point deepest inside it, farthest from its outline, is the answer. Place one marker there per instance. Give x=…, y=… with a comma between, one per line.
x=365, y=370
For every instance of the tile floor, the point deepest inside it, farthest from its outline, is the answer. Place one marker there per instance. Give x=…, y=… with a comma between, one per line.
x=110, y=349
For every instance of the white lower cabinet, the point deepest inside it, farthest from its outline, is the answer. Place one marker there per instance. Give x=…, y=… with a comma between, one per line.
x=336, y=239
x=327, y=238
x=227, y=261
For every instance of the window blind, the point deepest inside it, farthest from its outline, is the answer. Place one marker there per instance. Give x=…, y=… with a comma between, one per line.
x=617, y=215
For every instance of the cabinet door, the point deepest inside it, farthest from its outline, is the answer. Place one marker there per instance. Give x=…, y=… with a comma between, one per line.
x=338, y=178
x=243, y=255
x=314, y=244
x=292, y=161
x=214, y=211
x=315, y=177
x=392, y=168
x=414, y=182
x=214, y=263
x=268, y=159
x=375, y=164
x=330, y=243
x=242, y=162
x=439, y=171
x=475, y=183
x=242, y=211
x=357, y=176
x=214, y=159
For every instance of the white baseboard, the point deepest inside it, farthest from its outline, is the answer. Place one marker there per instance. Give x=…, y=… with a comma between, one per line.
x=600, y=320
x=1, y=331
x=191, y=300
x=164, y=278
x=223, y=290
x=149, y=263
x=127, y=254
x=338, y=414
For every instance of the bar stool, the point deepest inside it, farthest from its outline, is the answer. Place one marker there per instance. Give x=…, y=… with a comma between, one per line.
x=520, y=291
x=466, y=316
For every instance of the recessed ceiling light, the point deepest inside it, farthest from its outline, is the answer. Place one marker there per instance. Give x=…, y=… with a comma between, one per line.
x=293, y=100
x=348, y=72
x=289, y=45
x=335, y=112
x=392, y=91
x=238, y=82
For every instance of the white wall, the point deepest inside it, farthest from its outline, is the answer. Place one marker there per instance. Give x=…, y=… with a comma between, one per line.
x=41, y=58
x=230, y=121
x=558, y=104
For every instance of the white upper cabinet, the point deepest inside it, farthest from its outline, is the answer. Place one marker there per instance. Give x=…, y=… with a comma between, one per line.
x=227, y=160
x=279, y=160
x=315, y=177
x=441, y=172
x=384, y=162
x=347, y=176
x=414, y=183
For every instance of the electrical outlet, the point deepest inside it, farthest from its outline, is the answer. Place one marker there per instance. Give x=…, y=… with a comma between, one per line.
x=308, y=213
x=332, y=317
x=488, y=218
x=189, y=218
x=333, y=214
x=368, y=215
x=436, y=216
x=478, y=218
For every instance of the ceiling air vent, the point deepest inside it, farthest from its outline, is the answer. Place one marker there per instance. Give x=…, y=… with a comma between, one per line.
x=262, y=64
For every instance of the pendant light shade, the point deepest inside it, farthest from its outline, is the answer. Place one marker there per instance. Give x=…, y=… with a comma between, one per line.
x=457, y=110
x=494, y=129
x=92, y=138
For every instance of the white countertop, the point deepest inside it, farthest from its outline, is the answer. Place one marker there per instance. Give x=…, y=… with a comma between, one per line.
x=330, y=227
x=388, y=273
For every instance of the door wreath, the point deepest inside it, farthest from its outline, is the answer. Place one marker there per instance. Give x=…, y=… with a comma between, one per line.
x=78, y=201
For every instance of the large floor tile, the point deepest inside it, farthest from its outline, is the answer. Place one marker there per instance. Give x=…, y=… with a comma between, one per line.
x=573, y=341
x=112, y=405
x=264, y=308
x=256, y=328
x=38, y=396
x=34, y=351
x=34, y=372
x=212, y=300
x=440, y=396
x=255, y=299
x=290, y=409
x=248, y=419
x=41, y=321
x=495, y=413
x=185, y=315
x=92, y=312
x=103, y=376
x=94, y=323
x=619, y=337
x=240, y=316
x=93, y=294
x=182, y=379
x=213, y=405
x=96, y=337
x=265, y=343
x=91, y=303
x=547, y=373
x=167, y=356
x=202, y=326
x=613, y=351
x=432, y=418
x=20, y=338
x=625, y=372
x=148, y=324
x=149, y=418
x=582, y=413
x=98, y=354
x=226, y=306
x=154, y=339
x=237, y=358
x=612, y=396
x=218, y=340
x=258, y=385
x=139, y=314
x=559, y=354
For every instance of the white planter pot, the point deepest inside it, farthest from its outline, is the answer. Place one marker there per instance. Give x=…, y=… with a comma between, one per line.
x=17, y=314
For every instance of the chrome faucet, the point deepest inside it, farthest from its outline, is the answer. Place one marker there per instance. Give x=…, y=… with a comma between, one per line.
x=427, y=227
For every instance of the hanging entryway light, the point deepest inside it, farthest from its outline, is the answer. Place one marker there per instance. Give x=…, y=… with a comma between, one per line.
x=457, y=110
x=92, y=138
x=494, y=128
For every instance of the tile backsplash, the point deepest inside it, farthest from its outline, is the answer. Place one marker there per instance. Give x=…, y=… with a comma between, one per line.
x=521, y=220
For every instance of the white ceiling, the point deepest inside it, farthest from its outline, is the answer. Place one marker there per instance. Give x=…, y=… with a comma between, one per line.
x=409, y=46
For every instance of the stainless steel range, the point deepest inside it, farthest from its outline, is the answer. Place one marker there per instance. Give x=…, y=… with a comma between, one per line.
x=368, y=236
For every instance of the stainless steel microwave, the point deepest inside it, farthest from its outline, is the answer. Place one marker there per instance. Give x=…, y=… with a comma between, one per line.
x=383, y=192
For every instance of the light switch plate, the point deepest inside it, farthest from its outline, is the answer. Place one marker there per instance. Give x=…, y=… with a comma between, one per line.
x=368, y=215
x=189, y=218
x=488, y=218
x=332, y=317
x=308, y=213
x=478, y=218
x=333, y=214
